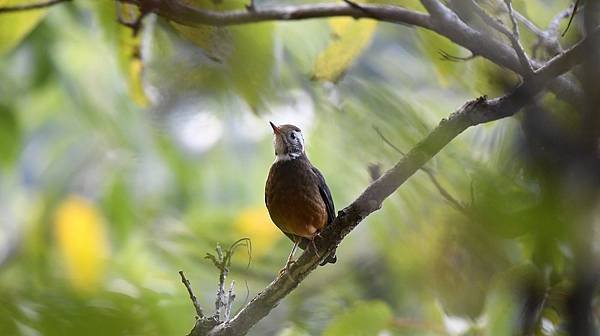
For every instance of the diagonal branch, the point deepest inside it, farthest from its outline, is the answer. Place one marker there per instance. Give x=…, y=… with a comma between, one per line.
x=31, y=6
x=478, y=111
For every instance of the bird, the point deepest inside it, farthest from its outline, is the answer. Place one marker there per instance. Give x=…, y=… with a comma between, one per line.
x=296, y=194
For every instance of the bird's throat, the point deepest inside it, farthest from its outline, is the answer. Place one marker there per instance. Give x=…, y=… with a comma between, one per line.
x=287, y=156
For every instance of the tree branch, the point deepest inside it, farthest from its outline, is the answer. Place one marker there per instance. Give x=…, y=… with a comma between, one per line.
x=446, y=23
x=31, y=6
x=548, y=38
x=515, y=40
x=513, y=36
x=442, y=21
x=475, y=112
x=193, y=297
x=184, y=14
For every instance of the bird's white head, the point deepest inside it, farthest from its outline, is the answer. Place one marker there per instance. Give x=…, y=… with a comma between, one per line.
x=288, y=142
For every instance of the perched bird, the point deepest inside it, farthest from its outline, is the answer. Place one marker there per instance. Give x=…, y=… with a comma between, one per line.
x=296, y=195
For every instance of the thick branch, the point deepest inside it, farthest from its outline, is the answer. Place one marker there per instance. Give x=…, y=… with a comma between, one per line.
x=472, y=113
x=442, y=20
x=181, y=13
x=31, y=6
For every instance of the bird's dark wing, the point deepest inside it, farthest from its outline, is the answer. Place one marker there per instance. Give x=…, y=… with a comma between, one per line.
x=325, y=195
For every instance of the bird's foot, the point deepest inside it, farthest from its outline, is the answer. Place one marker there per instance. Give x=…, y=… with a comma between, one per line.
x=287, y=268
x=314, y=246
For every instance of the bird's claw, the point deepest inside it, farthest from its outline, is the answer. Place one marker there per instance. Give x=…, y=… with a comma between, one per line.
x=287, y=267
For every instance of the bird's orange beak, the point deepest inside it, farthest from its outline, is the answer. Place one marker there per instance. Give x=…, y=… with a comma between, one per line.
x=276, y=129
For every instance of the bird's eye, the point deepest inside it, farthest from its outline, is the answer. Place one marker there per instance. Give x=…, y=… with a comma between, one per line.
x=293, y=136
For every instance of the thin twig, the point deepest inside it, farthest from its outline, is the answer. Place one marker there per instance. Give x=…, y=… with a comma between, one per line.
x=550, y=37
x=31, y=6
x=447, y=57
x=515, y=39
x=230, y=299
x=193, y=297
x=513, y=36
x=513, y=19
x=542, y=36
x=220, y=299
x=222, y=261
x=455, y=203
x=575, y=7
x=555, y=22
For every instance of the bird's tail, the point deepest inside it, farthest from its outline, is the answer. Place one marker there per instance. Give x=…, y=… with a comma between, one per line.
x=330, y=259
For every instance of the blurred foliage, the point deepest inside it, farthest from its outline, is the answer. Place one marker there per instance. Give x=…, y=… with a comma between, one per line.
x=349, y=37
x=246, y=52
x=127, y=157
x=364, y=318
x=15, y=26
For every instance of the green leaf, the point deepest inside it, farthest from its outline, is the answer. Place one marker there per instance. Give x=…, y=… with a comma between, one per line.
x=118, y=208
x=364, y=318
x=15, y=26
x=252, y=61
x=500, y=310
x=350, y=38
x=10, y=136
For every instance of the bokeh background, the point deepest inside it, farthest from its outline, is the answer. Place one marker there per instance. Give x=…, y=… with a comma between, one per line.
x=117, y=171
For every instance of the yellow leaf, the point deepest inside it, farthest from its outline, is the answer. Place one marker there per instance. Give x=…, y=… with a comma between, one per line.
x=82, y=242
x=256, y=224
x=15, y=26
x=136, y=87
x=130, y=55
x=350, y=38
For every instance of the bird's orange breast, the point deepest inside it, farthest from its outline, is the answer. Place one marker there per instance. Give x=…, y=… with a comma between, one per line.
x=293, y=199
